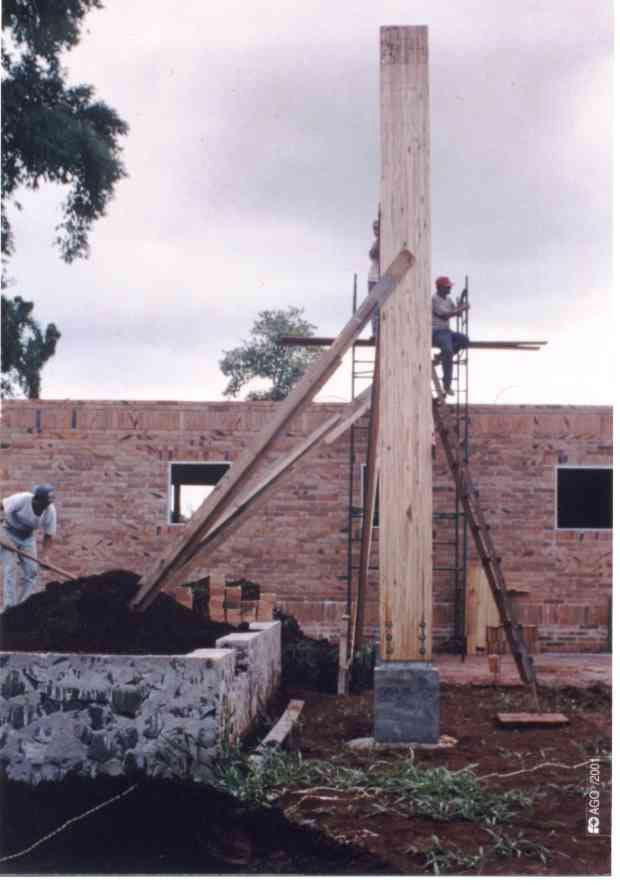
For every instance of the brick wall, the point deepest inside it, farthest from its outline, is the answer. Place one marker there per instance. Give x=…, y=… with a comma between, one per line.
x=109, y=461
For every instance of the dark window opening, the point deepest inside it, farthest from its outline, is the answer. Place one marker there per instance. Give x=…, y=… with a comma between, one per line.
x=375, y=521
x=190, y=485
x=584, y=497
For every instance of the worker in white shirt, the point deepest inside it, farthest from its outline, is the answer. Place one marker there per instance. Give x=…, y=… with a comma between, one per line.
x=448, y=342
x=22, y=515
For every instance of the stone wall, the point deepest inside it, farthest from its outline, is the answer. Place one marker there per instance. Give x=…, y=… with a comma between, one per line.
x=116, y=714
x=110, y=462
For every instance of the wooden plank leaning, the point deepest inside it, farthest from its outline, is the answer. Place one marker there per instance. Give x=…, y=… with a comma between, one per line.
x=319, y=372
x=370, y=503
x=244, y=506
x=280, y=733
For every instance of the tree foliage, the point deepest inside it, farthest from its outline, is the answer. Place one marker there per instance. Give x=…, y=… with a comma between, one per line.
x=262, y=357
x=25, y=348
x=52, y=132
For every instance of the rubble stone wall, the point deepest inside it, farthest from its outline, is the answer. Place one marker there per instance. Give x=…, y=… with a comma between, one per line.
x=118, y=714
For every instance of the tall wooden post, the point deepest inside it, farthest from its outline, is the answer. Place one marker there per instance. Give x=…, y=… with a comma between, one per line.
x=405, y=404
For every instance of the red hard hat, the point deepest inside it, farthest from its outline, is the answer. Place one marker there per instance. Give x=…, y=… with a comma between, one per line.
x=443, y=281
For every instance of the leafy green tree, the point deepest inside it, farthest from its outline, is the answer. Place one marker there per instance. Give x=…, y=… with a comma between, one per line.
x=25, y=348
x=261, y=356
x=53, y=132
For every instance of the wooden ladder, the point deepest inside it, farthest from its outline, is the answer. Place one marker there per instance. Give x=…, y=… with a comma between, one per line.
x=468, y=495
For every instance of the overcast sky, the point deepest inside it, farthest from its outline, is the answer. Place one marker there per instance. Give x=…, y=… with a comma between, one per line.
x=253, y=161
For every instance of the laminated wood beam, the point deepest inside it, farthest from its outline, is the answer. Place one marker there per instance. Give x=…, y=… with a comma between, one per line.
x=405, y=529
x=319, y=372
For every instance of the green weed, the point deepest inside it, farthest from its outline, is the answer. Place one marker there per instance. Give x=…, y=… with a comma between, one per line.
x=517, y=846
x=436, y=793
x=443, y=857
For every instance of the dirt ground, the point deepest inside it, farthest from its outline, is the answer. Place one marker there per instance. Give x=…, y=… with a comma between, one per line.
x=318, y=828
x=188, y=828
x=556, y=820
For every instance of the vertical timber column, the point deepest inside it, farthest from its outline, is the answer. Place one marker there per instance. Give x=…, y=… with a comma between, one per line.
x=405, y=533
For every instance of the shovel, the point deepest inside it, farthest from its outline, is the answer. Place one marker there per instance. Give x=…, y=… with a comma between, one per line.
x=47, y=565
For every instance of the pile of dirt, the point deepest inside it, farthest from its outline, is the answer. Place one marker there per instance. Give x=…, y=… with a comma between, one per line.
x=92, y=616
x=159, y=827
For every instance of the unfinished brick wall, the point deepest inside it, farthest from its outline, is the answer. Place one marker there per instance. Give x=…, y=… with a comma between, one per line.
x=109, y=461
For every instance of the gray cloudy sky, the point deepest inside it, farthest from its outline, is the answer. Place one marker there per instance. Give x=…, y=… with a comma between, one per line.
x=253, y=162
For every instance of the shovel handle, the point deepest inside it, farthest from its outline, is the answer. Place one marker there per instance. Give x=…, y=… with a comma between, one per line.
x=47, y=565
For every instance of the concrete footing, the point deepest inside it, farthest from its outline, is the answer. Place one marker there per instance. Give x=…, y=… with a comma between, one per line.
x=406, y=702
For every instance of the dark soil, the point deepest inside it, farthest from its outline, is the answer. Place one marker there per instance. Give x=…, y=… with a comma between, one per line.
x=92, y=616
x=160, y=827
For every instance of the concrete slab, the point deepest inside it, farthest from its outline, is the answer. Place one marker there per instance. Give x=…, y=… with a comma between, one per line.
x=406, y=702
x=552, y=668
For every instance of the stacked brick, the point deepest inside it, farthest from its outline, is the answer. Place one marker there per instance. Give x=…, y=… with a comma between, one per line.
x=110, y=463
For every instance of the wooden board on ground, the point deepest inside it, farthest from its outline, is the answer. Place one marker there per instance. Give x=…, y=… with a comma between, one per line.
x=282, y=729
x=531, y=720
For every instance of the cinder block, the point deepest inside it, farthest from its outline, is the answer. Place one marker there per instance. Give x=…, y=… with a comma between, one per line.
x=406, y=702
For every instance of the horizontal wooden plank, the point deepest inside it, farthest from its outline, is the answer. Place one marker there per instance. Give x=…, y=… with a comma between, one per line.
x=531, y=720
x=301, y=341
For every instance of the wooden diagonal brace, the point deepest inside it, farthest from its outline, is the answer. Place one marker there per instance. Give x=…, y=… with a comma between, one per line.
x=247, y=504
x=231, y=484
x=370, y=501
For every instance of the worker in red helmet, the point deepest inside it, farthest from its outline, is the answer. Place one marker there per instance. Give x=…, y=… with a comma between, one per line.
x=448, y=342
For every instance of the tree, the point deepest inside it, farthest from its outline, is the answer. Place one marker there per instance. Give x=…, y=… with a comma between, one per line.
x=25, y=348
x=52, y=132
x=263, y=357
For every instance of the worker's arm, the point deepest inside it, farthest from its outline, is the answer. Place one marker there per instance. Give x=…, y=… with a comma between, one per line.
x=48, y=540
x=455, y=313
x=451, y=313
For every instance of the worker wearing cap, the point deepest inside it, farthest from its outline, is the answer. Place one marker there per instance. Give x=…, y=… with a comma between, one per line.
x=23, y=514
x=448, y=342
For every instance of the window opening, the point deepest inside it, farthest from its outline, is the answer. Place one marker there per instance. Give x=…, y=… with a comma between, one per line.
x=584, y=498
x=191, y=483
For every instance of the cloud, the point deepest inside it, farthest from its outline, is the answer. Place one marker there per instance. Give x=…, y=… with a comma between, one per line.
x=254, y=176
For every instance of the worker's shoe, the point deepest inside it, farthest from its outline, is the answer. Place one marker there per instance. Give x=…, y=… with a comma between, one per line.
x=448, y=390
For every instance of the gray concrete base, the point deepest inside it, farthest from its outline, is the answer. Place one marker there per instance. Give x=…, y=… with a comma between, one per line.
x=406, y=702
